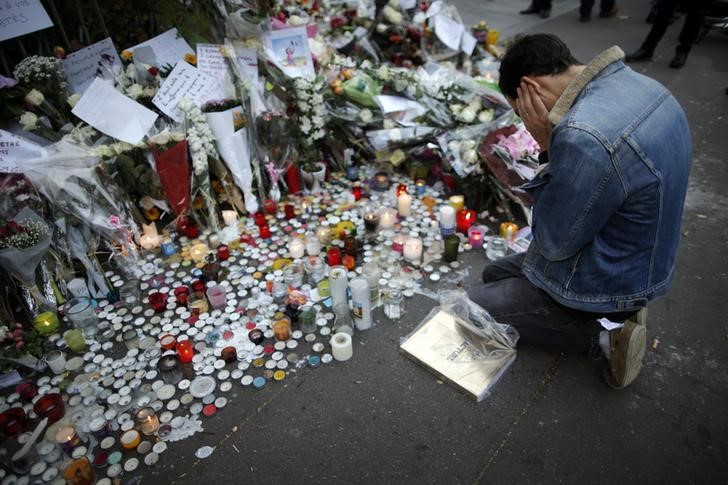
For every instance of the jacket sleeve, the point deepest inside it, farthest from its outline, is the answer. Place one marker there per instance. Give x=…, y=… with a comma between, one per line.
x=581, y=192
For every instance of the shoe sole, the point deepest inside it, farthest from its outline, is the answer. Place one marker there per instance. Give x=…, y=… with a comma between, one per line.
x=635, y=353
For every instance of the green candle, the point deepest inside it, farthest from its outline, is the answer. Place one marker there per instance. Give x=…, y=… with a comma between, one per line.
x=74, y=339
x=46, y=323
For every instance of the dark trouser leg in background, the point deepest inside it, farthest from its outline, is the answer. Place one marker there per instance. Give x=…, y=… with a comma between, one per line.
x=511, y=298
x=690, y=31
x=665, y=9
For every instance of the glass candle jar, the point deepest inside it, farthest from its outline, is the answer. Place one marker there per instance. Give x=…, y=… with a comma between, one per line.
x=131, y=339
x=81, y=313
x=282, y=329
x=465, y=218
x=333, y=256
x=50, y=406
x=324, y=288
x=217, y=296
x=270, y=206
x=13, y=421
x=27, y=390
x=393, y=302
x=223, y=252
x=475, y=236
x=197, y=303
x=315, y=269
x=185, y=350
x=170, y=368
x=100, y=428
x=371, y=220
x=167, y=342
x=56, y=361
x=158, y=301
x=229, y=354
x=46, y=323
x=496, y=248
x=259, y=218
x=381, y=181
x=457, y=202
x=452, y=244
x=342, y=319
x=130, y=294
x=264, y=232
x=357, y=192
x=307, y=320
x=147, y=421
x=79, y=472
x=68, y=439
x=293, y=275
x=296, y=247
x=290, y=211
x=387, y=217
x=130, y=439
x=198, y=285
x=313, y=245
x=350, y=245
x=211, y=271
x=181, y=293
x=75, y=341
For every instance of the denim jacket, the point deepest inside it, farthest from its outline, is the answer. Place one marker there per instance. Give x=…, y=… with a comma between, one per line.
x=607, y=207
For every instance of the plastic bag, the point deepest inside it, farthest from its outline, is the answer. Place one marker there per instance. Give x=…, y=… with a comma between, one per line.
x=460, y=342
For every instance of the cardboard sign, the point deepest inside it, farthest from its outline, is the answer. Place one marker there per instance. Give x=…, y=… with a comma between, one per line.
x=97, y=60
x=14, y=150
x=113, y=114
x=20, y=17
x=168, y=48
x=185, y=80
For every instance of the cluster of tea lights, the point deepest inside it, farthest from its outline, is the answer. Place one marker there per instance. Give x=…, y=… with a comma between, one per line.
x=205, y=318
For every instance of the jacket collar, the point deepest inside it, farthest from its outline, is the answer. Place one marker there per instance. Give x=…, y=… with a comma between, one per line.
x=567, y=98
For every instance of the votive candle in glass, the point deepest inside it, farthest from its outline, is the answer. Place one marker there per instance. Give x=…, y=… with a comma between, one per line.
x=381, y=181
x=146, y=420
x=401, y=189
x=75, y=341
x=167, y=341
x=357, y=191
x=290, y=211
x=259, y=218
x=68, y=439
x=413, y=249
x=270, y=206
x=223, y=252
x=217, y=296
x=229, y=354
x=282, y=329
x=508, y=230
x=465, y=218
x=56, y=361
x=324, y=234
x=296, y=247
x=50, y=406
x=333, y=256
x=371, y=219
x=197, y=303
x=158, y=301
x=214, y=241
x=185, y=350
x=457, y=202
x=198, y=252
x=46, y=323
x=168, y=247
x=387, y=218
x=338, y=283
x=264, y=232
x=198, y=285
x=313, y=244
x=420, y=187
x=230, y=217
x=475, y=236
x=398, y=243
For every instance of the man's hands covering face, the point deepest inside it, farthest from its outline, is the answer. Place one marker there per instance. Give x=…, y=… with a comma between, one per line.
x=534, y=113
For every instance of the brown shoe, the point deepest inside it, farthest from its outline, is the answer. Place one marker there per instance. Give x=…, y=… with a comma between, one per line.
x=628, y=348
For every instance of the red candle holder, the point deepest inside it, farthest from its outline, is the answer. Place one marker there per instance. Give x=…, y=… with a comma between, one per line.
x=167, y=341
x=293, y=179
x=401, y=189
x=185, y=350
x=181, y=293
x=357, y=191
x=198, y=285
x=223, y=252
x=259, y=218
x=13, y=421
x=270, y=206
x=192, y=231
x=265, y=232
x=27, y=390
x=229, y=354
x=290, y=211
x=158, y=301
x=465, y=218
x=50, y=406
x=333, y=256
x=248, y=239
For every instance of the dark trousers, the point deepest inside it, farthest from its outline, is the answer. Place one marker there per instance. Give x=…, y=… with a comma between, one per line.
x=694, y=13
x=511, y=298
x=587, y=5
x=541, y=4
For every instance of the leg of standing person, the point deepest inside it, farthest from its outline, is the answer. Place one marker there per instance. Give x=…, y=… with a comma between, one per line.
x=690, y=31
x=533, y=8
x=545, y=10
x=608, y=8
x=585, y=10
x=665, y=8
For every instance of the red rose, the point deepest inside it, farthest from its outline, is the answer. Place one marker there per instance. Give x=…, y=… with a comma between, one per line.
x=153, y=70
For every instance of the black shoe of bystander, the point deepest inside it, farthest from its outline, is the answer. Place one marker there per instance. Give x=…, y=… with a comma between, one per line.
x=641, y=54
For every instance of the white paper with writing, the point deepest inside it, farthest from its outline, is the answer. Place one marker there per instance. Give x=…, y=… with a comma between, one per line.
x=14, y=149
x=449, y=31
x=210, y=60
x=468, y=43
x=20, y=17
x=97, y=60
x=289, y=50
x=185, y=80
x=113, y=114
x=248, y=59
x=168, y=47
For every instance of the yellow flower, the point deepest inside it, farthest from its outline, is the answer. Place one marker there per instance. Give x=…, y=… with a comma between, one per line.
x=127, y=55
x=191, y=58
x=198, y=202
x=343, y=227
x=152, y=214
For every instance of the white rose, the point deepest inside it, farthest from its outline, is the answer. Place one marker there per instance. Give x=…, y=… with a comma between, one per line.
x=469, y=144
x=177, y=136
x=3, y=332
x=73, y=99
x=485, y=116
x=149, y=91
x=456, y=108
x=381, y=28
x=388, y=124
x=475, y=104
x=34, y=97
x=394, y=3
x=295, y=20
x=467, y=115
x=120, y=147
x=29, y=121
x=160, y=138
x=135, y=91
x=391, y=15
x=470, y=156
x=366, y=115
x=454, y=145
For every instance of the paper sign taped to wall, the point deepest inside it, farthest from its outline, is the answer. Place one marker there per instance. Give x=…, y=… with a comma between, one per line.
x=20, y=17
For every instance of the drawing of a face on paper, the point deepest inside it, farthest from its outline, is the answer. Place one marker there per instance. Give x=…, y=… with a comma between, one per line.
x=288, y=51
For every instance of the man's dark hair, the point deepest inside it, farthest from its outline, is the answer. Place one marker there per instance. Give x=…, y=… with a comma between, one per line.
x=533, y=55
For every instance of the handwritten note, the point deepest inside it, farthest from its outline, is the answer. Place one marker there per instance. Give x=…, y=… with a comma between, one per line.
x=97, y=60
x=185, y=80
x=113, y=114
x=249, y=60
x=210, y=60
x=449, y=31
x=20, y=17
x=168, y=47
x=15, y=149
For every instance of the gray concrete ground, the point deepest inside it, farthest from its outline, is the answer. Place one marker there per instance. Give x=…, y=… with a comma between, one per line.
x=379, y=418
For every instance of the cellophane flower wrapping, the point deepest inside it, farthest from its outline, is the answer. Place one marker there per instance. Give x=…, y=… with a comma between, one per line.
x=173, y=168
